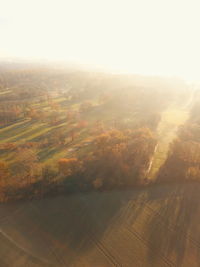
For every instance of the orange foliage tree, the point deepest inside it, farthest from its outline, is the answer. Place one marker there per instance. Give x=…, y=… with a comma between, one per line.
x=4, y=173
x=120, y=158
x=68, y=166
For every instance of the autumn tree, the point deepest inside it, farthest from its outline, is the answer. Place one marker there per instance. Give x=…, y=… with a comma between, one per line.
x=33, y=114
x=82, y=124
x=54, y=117
x=55, y=106
x=69, y=166
x=120, y=157
x=4, y=173
x=26, y=164
x=8, y=146
x=85, y=106
x=58, y=136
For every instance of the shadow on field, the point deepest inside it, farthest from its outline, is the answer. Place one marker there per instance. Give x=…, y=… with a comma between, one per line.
x=173, y=229
x=69, y=226
x=77, y=223
x=73, y=226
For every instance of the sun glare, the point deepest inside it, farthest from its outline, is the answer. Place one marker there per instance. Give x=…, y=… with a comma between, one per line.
x=154, y=37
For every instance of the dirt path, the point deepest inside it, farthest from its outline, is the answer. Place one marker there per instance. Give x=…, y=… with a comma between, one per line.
x=171, y=119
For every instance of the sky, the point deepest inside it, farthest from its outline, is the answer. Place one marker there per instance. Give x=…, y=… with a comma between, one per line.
x=153, y=37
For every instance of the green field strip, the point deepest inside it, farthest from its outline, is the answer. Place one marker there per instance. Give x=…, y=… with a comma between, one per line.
x=7, y=130
x=26, y=133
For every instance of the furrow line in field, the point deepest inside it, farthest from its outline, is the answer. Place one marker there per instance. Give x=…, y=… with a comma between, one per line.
x=138, y=236
x=171, y=228
x=105, y=251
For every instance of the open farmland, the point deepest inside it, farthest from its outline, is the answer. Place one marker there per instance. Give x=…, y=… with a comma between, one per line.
x=158, y=226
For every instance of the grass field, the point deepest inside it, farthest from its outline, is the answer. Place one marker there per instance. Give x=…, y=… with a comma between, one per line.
x=26, y=130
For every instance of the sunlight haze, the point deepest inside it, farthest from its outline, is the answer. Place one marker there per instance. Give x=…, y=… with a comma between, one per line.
x=147, y=37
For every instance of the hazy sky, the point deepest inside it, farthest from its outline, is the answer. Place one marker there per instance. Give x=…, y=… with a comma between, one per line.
x=140, y=36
